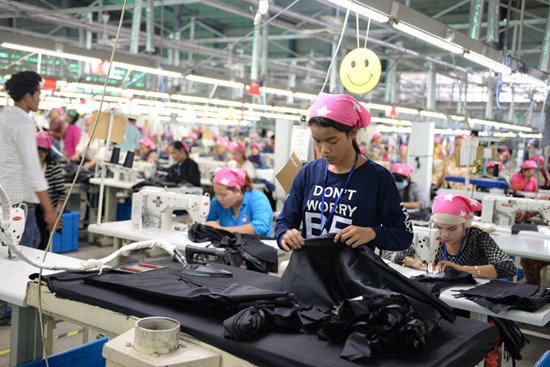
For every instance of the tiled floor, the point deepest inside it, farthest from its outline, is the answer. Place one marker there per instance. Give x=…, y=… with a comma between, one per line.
x=69, y=335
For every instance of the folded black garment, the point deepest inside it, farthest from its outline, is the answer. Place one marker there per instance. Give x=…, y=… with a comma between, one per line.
x=382, y=325
x=239, y=247
x=450, y=276
x=498, y=295
x=511, y=336
x=532, y=227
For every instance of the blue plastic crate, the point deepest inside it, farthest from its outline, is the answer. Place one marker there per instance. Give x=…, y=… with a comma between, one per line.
x=544, y=360
x=87, y=355
x=123, y=211
x=67, y=240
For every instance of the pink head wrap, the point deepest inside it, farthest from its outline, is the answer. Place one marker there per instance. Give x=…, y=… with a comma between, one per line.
x=506, y=154
x=222, y=141
x=454, y=209
x=537, y=158
x=528, y=164
x=148, y=143
x=231, y=177
x=375, y=136
x=491, y=164
x=462, y=136
x=341, y=108
x=402, y=169
x=238, y=147
x=43, y=140
x=254, y=136
x=257, y=146
x=437, y=139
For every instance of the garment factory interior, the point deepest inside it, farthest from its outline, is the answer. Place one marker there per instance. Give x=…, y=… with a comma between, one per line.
x=174, y=129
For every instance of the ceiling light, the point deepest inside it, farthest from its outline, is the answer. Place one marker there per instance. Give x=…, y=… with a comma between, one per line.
x=180, y=97
x=225, y=83
x=521, y=78
x=487, y=62
x=407, y=111
x=362, y=9
x=437, y=115
x=427, y=37
x=308, y=96
x=500, y=125
x=530, y=136
x=43, y=51
x=145, y=69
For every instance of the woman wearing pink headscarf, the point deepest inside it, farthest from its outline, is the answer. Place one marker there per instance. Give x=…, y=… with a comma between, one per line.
x=543, y=178
x=412, y=196
x=237, y=207
x=239, y=159
x=148, y=150
x=343, y=192
x=525, y=179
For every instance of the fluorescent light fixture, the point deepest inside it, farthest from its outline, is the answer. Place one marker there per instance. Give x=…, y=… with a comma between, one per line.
x=508, y=134
x=393, y=129
x=530, y=136
x=457, y=117
x=281, y=92
x=184, y=98
x=225, y=83
x=487, y=62
x=521, y=78
x=452, y=131
x=501, y=125
x=361, y=9
x=437, y=115
x=384, y=120
x=307, y=96
x=376, y=106
x=43, y=51
x=145, y=69
x=427, y=37
x=407, y=111
x=224, y=102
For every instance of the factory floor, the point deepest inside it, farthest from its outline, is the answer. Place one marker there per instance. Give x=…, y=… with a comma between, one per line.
x=68, y=335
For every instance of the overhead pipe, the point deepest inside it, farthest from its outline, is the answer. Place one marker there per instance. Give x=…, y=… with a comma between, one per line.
x=430, y=87
x=545, y=53
x=493, y=18
x=476, y=15
x=150, y=27
x=136, y=26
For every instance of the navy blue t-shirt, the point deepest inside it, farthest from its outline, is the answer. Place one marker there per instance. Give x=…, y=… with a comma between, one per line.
x=370, y=200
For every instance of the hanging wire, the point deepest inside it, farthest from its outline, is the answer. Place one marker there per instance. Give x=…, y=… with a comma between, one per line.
x=357, y=28
x=336, y=51
x=367, y=34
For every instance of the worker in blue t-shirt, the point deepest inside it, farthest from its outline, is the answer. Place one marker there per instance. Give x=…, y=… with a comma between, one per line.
x=237, y=207
x=344, y=192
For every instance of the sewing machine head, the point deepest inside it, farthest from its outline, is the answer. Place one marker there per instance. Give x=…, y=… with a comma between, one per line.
x=502, y=210
x=425, y=243
x=154, y=208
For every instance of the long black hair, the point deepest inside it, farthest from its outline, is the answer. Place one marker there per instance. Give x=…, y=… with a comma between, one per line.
x=325, y=122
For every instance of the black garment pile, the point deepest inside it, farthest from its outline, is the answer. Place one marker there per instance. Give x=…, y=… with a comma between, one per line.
x=450, y=276
x=498, y=295
x=379, y=311
x=238, y=247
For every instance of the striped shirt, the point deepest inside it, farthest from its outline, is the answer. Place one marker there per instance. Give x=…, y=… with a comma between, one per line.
x=55, y=176
x=20, y=173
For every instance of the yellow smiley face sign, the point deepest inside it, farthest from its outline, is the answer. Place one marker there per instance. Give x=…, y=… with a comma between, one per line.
x=360, y=70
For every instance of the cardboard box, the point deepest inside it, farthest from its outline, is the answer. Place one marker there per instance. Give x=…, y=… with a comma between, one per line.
x=118, y=128
x=286, y=175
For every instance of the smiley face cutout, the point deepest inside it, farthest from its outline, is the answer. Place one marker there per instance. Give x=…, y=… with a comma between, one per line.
x=360, y=70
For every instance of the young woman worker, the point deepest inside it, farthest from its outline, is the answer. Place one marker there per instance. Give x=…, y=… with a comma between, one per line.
x=237, y=207
x=344, y=192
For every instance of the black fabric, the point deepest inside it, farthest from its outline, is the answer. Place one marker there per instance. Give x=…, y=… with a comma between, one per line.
x=450, y=276
x=530, y=227
x=511, y=336
x=462, y=344
x=324, y=274
x=498, y=295
x=239, y=247
x=244, y=324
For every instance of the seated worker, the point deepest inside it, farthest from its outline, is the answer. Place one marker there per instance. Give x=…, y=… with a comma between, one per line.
x=185, y=170
x=255, y=156
x=489, y=173
x=543, y=178
x=411, y=194
x=237, y=207
x=343, y=192
x=525, y=179
x=239, y=159
x=461, y=246
x=147, y=150
x=222, y=146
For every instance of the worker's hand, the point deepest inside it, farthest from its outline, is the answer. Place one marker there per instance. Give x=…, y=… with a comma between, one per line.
x=442, y=265
x=355, y=236
x=411, y=262
x=50, y=217
x=212, y=223
x=292, y=239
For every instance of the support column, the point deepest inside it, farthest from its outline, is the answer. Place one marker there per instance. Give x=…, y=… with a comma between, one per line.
x=420, y=154
x=136, y=25
x=283, y=136
x=431, y=86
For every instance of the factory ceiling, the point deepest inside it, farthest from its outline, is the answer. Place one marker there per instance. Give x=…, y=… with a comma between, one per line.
x=293, y=45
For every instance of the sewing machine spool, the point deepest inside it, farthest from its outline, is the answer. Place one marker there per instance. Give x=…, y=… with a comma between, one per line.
x=156, y=335
x=129, y=161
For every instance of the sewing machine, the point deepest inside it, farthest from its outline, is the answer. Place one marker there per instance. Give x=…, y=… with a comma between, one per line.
x=122, y=173
x=425, y=243
x=154, y=207
x=502, y=210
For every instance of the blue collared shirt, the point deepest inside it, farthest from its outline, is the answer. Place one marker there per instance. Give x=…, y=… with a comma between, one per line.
x=255, y=210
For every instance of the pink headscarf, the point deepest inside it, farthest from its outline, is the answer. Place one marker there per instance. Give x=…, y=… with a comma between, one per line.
x=148, y=143
x=238, y=147
x=222, y=141
x=537, y=158
x=43, y=140
x=454, y=209
x=402, y=169
x=341, y=108
x=462, y=136
x=375, y=136
x=231, y=177
x=529, y=164
x=492, y=164
x=257, y=145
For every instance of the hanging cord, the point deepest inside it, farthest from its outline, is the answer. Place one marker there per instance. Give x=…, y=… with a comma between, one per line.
x=357, y=28
x=367, y=34
x=337, y=49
